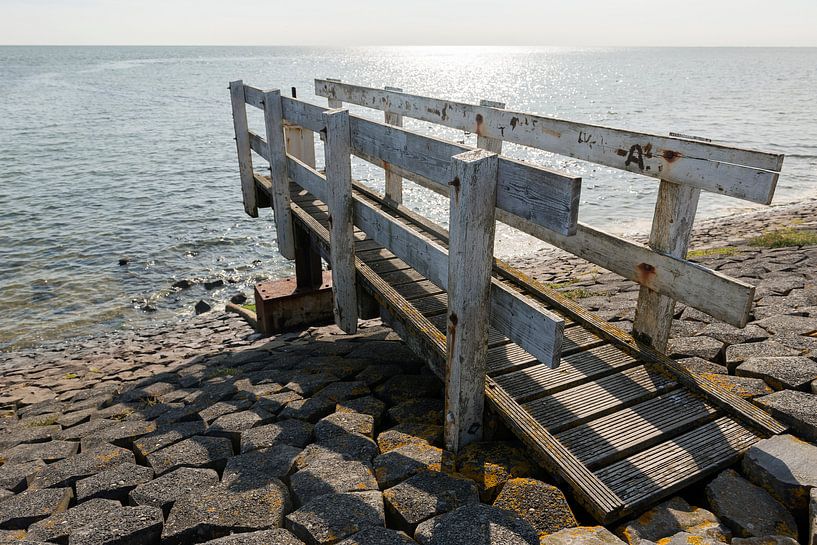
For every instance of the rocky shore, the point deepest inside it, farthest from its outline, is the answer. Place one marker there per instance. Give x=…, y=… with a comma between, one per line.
x=207, y=432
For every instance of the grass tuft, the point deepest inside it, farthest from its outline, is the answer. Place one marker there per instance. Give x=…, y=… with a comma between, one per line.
x=784, y=238
x=222, y=372
x=249, y=306
x=709, y=252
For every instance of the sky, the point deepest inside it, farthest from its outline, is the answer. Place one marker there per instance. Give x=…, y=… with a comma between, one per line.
x=573, y=23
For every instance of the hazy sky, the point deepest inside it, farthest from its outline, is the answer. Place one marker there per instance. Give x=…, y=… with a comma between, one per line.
x=434, y=22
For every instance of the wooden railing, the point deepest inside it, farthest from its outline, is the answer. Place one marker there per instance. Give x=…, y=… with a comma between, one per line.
x=683, y=166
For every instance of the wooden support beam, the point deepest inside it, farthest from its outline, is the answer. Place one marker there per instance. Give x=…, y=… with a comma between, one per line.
x=242, y=144
x=276, y=154
x=333, y=102
x=394, y=183
x=485, y=142
x=671, y=227
x=342, y=241
x=470, y=260
x=308, y=269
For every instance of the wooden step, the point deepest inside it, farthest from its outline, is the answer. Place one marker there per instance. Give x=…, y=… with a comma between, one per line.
x=573, y=369
x=622, y=433
x=416, y=290
x=648, y=476
x=593, y=400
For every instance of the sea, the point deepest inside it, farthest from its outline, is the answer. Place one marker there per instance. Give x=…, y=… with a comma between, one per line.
x=114, y=155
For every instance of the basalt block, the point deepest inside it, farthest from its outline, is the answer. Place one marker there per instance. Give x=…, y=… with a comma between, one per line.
x=124, y=526
x=425, y=495
x=70, y=470
x=165, y=490
x=59, y=527
x=378, y=536
x=409, y=434
x=197, y=451
x=543, y=506
x=310, y=410
x=330, y=475
x=671, y=517
x=49, y=452
x=276, y=536
x=784, y=466
x=340, y=423
x=114, y=483
x=420, y=410
x=491, y=465
x=328, y=519
x=400, y=388
x=477, y=523
x=401, y=463
x=296, y=433
x=796, y=409
x=15, y=476
x=166, y=436
x=258, y=466
x=784, y=372
x=364, y=405
x=24, y=509
x=582, y=535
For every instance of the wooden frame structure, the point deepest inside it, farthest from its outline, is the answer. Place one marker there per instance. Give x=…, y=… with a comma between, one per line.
x=493, y=334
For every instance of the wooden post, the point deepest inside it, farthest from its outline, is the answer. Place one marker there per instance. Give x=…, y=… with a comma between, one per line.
x=333, y=102
x=394, y=183
x=470, y=259
x=273, y=121
x=308, y=269
x=242, y=144
x=341, y=236
x=484, y=142
x=671, y=227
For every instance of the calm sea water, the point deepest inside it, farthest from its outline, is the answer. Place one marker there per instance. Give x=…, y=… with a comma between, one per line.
x=108, y=152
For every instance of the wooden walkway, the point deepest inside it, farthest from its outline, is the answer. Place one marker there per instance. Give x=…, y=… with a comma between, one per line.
x=622, y=424
x=619, y=422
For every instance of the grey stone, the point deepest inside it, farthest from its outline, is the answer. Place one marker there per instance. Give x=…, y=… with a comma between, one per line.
x=339, y=423
x=5, y=494
x=296, y=433
x=766, y=540
x=812, y=517
x=425, y=495
x=783, y=465
x=165, y=490
x=222, y=408
x=477, y=523
x=401, y=463
x=88, y=429
x=401, y=388
x=365, y=405
x=166, y=436
x=217, y=510
x=732, y=335
x=121, y=434
x=700, y=365
x=387, y=352
x=670, y=518
x=68, y=471
x=48, y=452
x=232, y=425
x=343, y=390
x=331, y=518
x=748, y=510
x=785, y=323
x=196, y=451
x=784, y=372
x=59, y=527
x=114, y=483
x=378, y=536
x=796, y=409
x=582, y=535
x=745, y=387
x=260, y=465
x=275, y=402
x=309, y=384
x=24, y=509
x=276, y=536
x=685, y=538
x=738, y=353
x=125, y=526
x=543, y=506
x=330, y=475
x=22, y=434
x=15, y=476
x=375, y=374
x=409, y=433
x=420, y=410
x=311, y=409
x=699, y=346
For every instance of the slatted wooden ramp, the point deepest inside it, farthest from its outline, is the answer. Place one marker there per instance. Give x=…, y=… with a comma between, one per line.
x=620, y=423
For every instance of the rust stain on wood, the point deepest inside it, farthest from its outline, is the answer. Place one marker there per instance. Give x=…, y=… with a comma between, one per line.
x=645, y=273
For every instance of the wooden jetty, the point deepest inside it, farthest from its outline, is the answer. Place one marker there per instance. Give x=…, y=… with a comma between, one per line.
x=619, y=422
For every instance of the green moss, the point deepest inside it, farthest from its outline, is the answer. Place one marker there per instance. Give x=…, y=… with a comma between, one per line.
x=45, y=421
x=579, y=293
x=249, y=306
x=709, y=252
x=69, y=376
x=786, y=237
x=222, y=372
x=560, y=285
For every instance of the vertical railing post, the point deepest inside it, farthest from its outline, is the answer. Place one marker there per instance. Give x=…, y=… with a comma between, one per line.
x=470, y=259
x=274, y=124
x=341, y=228
x=671, y=227
x=490, y=144
x=242, y=144
x=394, y=183
x=333, y=102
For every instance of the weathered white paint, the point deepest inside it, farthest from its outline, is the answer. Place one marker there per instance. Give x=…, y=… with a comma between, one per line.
x=672, y=224
x=490, y=144
x=274, y=124
x=242, y=144
x=333, y=102
x=740, y=173
x=300, y=143
x=341, y=232
x=470, y=261
x=394, y=183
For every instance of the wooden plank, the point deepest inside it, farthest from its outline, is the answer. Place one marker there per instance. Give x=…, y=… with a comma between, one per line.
x=403, y=276
x=671, y=227
x=658, y=472
x=416, y=290
x=432, y=305
x=470, y=260
x=625, y=432
x=595, y=399
x=507, y=358
x=242, y=144
x=541, y=196
x=394, y=183
x=333, y=102
x=254, y=96
x=274, y=125
x=341, y=233
x=485, y=142
x=259, y=145
x=740, y=173
x=590, y=491
x=300, y=143
x=575, y=369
